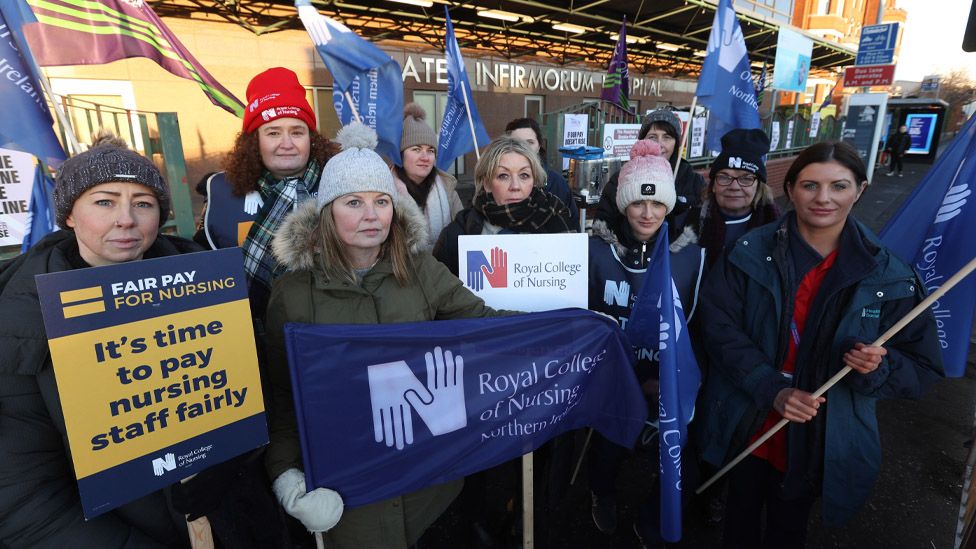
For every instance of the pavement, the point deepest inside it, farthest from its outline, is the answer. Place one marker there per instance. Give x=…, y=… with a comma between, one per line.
x=915, y=502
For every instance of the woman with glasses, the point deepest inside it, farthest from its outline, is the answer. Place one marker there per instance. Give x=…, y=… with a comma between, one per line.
x=737, y=198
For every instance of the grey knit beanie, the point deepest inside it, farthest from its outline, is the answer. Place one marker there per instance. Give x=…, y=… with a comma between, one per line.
x=660, y=116
x=415, y=128
x=357, y=168
x=108, y=161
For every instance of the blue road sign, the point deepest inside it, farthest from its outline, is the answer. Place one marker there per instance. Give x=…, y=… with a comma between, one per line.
x=877, y=46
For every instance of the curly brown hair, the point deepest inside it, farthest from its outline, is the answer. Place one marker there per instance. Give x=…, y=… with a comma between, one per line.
x=243, y=165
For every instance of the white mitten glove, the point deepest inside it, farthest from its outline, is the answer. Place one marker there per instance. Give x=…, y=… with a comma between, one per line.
x=319, y=510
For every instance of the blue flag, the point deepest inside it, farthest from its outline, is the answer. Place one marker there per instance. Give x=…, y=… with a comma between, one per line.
x=441, y=400
x=26, y=124
x=41, y=220
x=658, y=322
x=360, y=72
x=455, y=136
x=933, y=231
x=616, y=83
x=725, y=85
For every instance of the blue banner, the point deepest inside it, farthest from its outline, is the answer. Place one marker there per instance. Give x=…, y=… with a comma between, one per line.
x=725, y=84
x=933, y=231
x=493, y=389
x=362, y=72
x=42, y=217
x=658, y=322
x=26, y=124
x=455, y=136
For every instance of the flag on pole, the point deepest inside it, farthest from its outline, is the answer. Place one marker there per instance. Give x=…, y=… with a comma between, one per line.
x=725, y=84
x=26, y=124
x=761, y=86
x=456, y=135
x=827, y=100
x=362, y=74
x=933, y=231
x=41, y=220
x=83, y=32
x=658, y=322
x=616, y=83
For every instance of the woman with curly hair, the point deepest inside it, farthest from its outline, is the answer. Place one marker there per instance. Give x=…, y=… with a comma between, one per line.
x=275, y=164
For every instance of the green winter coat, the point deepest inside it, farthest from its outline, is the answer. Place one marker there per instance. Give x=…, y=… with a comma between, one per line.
x=307, y=295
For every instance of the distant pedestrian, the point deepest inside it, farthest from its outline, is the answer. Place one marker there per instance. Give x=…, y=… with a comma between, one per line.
x=899, y=145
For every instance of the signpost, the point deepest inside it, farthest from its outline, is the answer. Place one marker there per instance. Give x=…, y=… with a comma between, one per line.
x=865, y=117
x=877, y=45
x=876, y=75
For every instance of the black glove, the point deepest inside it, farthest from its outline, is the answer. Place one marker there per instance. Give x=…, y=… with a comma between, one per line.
x=203, y=493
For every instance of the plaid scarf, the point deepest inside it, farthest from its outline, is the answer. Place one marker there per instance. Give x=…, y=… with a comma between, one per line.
x=280, y=198
x=540, y=213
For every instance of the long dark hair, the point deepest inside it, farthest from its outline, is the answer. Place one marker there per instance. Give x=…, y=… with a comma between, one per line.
x=532, y=124
x=837, y=151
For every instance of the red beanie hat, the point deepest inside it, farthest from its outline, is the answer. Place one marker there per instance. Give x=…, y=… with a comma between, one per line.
x=276, y=93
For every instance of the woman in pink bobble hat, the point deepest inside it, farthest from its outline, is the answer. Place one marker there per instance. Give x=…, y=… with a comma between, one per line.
x=620, y=251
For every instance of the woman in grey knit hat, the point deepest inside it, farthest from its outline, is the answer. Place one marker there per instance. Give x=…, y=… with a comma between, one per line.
x=432, y=189
x=355, y=256
x=110, y=204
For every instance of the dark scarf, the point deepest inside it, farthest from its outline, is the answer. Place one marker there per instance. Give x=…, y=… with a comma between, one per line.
x=711, y=226
x=540, y=213
x=815, y=361
x=418, y=191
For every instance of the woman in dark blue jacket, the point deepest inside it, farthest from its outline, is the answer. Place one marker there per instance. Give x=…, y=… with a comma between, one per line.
x=620, y=251
x=786, y=307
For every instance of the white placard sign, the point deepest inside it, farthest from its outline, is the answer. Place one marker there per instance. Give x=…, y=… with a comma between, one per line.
x=619, y=138
x=774, y=135
x=574, y=132
x=815, y=124
x=526, y=272
x=698, y=136
x=16, y=183
x=789, y=134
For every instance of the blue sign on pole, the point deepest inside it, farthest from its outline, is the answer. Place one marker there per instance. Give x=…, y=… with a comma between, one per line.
x=877, y=46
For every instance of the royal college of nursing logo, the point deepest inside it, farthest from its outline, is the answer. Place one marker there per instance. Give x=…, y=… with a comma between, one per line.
x=480, y=268
x=395, y=392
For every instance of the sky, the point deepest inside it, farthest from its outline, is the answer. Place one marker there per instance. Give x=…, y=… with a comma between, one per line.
x=932, y=39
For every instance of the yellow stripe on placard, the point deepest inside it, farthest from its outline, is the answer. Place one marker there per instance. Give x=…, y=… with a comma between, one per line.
x=73, y=311
x=82, y=294
x=133, y=389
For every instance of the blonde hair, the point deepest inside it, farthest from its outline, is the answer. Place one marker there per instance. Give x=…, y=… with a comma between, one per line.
x=334, y=262
x=492, y=157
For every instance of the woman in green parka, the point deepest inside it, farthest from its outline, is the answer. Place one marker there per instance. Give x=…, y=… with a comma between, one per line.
x=354, y=256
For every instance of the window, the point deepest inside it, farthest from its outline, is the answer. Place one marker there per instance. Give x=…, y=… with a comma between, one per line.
x=321, y=101
x=534, y=106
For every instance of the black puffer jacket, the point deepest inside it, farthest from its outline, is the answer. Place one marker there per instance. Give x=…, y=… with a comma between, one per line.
x=39, y=502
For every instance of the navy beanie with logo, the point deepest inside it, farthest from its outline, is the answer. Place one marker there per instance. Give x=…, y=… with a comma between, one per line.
x=743, y=150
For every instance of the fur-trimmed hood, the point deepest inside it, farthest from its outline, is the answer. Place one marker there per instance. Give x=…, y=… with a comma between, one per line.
x=294, y=242
x=603, y=231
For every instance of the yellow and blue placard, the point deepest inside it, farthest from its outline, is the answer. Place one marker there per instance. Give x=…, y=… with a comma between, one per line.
x=156, y=369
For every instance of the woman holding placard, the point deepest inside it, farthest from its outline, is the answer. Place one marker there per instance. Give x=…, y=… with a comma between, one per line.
x=508, y=199
x=111, y=202
x=787, y=306
x=354, y=256
x=620, y=252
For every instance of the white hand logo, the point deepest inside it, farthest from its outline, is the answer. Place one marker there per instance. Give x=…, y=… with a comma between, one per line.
x=443, y=408
x=392, y=421
x=252, y=202
x=393, y=389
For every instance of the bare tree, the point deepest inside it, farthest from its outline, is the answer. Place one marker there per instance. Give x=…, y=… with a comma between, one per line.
x=956, y=88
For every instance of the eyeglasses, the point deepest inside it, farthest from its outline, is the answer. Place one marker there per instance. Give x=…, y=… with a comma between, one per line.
x=743, y=180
